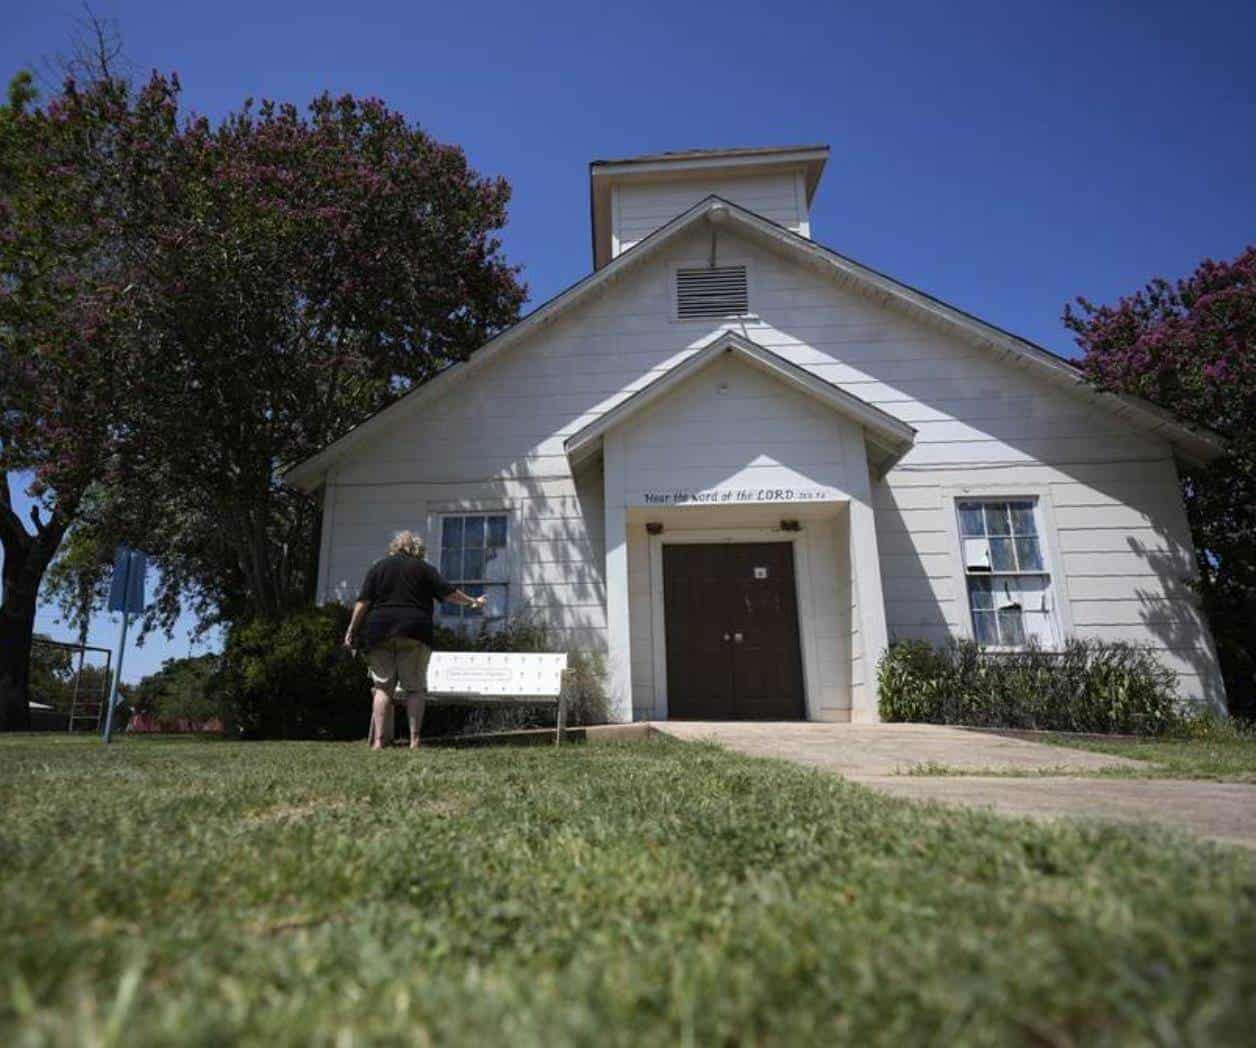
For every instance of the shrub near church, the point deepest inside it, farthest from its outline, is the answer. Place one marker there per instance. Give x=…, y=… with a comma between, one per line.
x=1089, y=686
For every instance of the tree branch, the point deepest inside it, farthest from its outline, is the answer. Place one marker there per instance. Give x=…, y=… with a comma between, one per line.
x=11, y=529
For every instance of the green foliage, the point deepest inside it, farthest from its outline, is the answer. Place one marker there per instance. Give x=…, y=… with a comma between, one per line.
x=180, y=691
x=586, y=680
x=218, y=893
x=1090, y=686
x=51, y=672
x=1219, y=749
x=55, y=675
x=291, y=678
x=1209, y=726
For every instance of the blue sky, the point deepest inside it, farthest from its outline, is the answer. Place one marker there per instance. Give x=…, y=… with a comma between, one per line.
x=1004, y=157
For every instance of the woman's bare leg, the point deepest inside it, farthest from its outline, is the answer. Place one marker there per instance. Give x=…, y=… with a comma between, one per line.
x=381, y=719
x=416, y=701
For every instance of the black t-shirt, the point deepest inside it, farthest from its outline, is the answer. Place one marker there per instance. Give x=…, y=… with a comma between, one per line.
x=401, y=591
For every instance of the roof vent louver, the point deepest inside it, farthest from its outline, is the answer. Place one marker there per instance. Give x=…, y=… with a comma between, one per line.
x=712, y=292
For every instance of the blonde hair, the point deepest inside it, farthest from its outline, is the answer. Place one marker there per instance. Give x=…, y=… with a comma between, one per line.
x=407, y=542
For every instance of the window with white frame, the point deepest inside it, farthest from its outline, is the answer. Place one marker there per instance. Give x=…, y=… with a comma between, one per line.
x=1007, y=574
x=473, y=558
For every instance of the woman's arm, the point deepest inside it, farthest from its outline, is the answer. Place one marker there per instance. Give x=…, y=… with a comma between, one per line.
x=360, y=609
x=458, y=597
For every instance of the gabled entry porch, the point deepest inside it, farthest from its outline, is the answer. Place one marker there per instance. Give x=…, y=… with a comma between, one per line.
x=742, y=574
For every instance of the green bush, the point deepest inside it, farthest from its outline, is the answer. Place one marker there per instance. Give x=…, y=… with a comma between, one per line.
x=1208, y=725
x=1090, y=686
x=293, y=679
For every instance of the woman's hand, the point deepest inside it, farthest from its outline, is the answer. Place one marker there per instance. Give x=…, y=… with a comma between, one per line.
x=360, y=608
x=467, y=601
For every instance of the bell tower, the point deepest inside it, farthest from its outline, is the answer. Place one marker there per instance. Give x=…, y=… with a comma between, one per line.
x=634, y=196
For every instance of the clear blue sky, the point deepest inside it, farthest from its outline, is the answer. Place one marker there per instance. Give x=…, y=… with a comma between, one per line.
x=1004, y=157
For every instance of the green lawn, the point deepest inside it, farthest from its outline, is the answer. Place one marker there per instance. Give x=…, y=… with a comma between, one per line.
x=1230, y=758
x=1227, y=759
x=291, y=893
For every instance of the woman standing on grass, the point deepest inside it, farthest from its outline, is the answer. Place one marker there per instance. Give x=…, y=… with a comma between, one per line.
x=396, y=602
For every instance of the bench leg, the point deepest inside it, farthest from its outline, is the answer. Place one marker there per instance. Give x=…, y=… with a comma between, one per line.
x=562, y=717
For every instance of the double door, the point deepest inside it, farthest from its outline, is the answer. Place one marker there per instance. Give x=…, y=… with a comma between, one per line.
x=731, y=625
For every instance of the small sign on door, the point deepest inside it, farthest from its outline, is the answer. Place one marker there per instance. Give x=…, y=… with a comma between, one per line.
x=760, y=572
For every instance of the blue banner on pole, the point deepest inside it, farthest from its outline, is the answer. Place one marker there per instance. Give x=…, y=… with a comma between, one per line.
x=126, y=591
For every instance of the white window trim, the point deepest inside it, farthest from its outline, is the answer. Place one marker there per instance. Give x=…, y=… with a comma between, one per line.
x=1053, y=562
x=436, y=514
x=673, y=314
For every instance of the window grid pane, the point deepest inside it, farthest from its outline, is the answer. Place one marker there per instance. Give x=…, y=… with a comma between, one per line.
x=1023, y=518
x=1002, y=555
x=997, y=522
x=1004, y=521
x=1011, y=627
x=1028, y=554
x=971, y=519
x=473, y=553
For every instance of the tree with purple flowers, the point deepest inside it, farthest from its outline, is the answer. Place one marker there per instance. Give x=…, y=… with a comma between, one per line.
x=1190, y=346
x=270, y=281
x=80, y=182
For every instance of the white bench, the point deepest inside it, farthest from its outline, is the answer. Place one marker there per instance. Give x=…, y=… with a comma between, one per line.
x=496, y=678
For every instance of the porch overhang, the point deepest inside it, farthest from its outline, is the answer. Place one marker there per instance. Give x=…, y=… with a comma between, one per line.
x=887, y=438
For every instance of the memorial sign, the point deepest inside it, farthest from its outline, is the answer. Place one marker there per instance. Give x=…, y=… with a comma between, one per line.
x=495, y=673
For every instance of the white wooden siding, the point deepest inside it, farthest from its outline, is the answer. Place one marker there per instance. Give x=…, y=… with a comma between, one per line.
x=639, y=208
x=1125, y=548
x=697, y=437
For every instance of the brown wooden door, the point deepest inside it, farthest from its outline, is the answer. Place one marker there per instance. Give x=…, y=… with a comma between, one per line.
x=731, y=622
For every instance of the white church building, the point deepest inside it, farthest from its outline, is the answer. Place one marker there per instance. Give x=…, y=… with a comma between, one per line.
x=740, y=464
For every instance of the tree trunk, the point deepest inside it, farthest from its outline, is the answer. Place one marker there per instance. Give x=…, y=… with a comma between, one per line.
x=17, y=627
x=26, y=558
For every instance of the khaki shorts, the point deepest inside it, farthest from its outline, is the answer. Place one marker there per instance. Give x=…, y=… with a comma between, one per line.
x=399, y=661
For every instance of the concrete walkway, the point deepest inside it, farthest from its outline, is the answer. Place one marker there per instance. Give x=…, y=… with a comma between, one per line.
x=879, y=755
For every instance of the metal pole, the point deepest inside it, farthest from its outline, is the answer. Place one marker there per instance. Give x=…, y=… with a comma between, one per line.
x=105, y=684
x=126, y=620
x=113, y=686
x=78, y=679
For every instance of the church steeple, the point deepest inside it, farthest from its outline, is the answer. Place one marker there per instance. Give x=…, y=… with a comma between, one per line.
x=634, y=196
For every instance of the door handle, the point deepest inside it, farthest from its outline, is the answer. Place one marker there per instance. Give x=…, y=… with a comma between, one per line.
x=738, y=638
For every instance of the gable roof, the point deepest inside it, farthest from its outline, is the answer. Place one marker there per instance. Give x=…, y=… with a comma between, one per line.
x=684, y=155
x=1193, y=444
x=889, y=438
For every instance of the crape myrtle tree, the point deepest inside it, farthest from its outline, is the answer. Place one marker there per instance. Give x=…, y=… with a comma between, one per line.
x=1190, y=346
x=80, y=182
x=307, y=268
